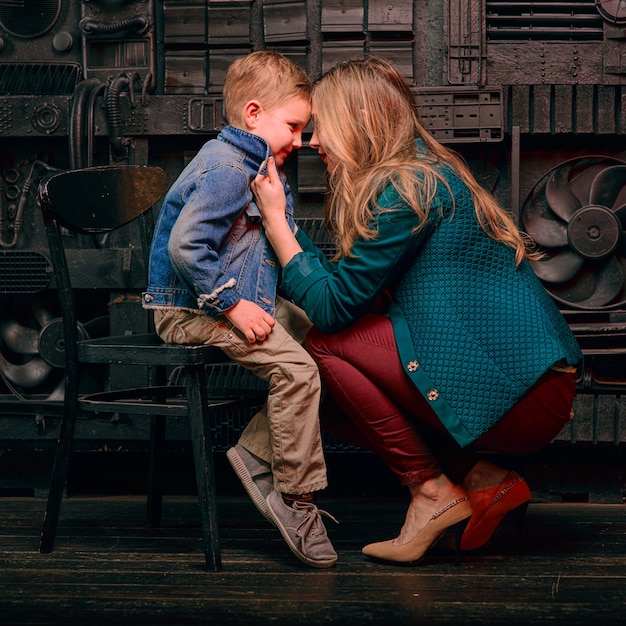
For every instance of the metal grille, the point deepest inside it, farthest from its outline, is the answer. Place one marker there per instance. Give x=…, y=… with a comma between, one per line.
x=315, y=228
x=558, y=20
x=23, y=272
x=29, y=18
x=38, y=78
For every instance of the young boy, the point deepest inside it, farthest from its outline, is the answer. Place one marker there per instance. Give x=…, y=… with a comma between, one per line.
x=213, y=279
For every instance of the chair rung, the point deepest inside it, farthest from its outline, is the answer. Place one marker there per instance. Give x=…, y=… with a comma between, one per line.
x=167, y=400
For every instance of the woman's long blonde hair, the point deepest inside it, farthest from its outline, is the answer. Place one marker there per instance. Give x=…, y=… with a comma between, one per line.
x=368, y=118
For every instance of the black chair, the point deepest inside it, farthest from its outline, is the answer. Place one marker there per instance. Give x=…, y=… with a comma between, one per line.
x=94, y=201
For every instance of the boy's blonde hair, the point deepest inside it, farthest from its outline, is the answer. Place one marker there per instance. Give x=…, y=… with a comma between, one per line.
x=369, y=121
x=266, y=76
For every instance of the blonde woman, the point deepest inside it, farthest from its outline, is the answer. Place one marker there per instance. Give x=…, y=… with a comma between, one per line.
x=431, y=331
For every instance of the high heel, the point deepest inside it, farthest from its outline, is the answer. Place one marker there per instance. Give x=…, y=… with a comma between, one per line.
x=454, y=516
x=491, y=505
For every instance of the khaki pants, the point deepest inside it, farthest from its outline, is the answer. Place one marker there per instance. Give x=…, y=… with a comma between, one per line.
x=286, y=431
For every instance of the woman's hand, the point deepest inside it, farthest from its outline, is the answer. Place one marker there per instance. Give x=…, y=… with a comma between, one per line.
x=270, y=198
x=269, y=194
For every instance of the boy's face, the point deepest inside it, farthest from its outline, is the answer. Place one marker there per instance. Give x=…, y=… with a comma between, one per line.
x=282, y=126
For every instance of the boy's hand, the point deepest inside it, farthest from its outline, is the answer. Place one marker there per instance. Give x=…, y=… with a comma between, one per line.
x=251, y=320
x=269, y=193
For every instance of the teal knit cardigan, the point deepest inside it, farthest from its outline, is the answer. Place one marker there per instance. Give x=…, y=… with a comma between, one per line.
x=473, y=331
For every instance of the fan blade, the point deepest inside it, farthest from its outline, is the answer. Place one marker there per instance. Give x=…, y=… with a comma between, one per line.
x=593, y=287
x=581, y=182
x=29, y=374
x=607, y=185
x=18, y=338
x=558, y=268
x=559, y=195
x=41, y=310
x=609, y=282
x=541, y=224
x=621, y=216
x=58, y=393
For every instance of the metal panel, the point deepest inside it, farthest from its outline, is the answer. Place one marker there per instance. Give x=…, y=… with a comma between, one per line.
x=285, y=21
x=399, y=53
x=186, y=72
x=311, y=172
x=386, y=15
x=219, y=60
x=461, y=115
x=229, y=23
x=465, y=29
x=206, y=114
x=614, y=55
x=335, y=52
x=532, y=63
x=342, y=16
x=184, y=22
x=543, y=21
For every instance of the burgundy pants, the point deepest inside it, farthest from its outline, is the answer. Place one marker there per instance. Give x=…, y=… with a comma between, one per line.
x=381, y=410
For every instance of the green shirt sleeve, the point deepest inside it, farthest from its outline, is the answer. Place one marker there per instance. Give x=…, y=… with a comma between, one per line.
x=335, y=296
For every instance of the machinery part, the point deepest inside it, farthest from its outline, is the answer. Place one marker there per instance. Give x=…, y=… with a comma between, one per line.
x=576, y=215
x=32, y=348
x=22, y=367
x=613, y=11
x=31, y=18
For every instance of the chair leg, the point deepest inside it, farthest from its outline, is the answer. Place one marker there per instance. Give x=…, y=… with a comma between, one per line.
x=57, y=482
x=195, y=380
x=156, y=471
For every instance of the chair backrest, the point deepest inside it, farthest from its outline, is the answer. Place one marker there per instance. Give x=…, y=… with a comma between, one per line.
x=92, y=201
x=101, y=199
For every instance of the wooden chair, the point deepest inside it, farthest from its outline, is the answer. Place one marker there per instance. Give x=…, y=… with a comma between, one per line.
x=95, y=201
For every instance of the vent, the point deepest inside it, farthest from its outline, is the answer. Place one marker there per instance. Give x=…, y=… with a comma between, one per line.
x=315, y=228
x=23, y=272
x=38, y=78
x=559, y=20
x=29, y=18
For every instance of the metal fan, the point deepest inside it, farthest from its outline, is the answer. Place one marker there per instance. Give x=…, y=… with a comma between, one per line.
x=576, y=215
x=32, y=355
x=22, y=368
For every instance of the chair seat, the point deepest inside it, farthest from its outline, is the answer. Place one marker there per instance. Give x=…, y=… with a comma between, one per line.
x=145, y=349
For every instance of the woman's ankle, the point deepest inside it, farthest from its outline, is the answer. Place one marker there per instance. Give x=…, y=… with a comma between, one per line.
x=483, y=475
x=426, y=498
x=432, y=489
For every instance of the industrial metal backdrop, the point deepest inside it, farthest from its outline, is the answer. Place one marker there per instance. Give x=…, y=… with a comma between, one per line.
x=532, y=94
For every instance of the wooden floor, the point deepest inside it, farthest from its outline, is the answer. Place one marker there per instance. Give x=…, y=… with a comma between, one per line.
x=109, y=569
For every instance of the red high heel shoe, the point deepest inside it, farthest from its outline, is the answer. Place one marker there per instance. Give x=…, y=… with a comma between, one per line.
x=453, y=516
x=491, y=505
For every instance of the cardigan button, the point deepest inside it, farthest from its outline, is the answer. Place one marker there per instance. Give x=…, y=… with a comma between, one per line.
x=412, y=366
x=432, y=395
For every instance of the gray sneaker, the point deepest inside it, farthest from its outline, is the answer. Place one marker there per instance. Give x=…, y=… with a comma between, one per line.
x=256, y=476
x=302, y=528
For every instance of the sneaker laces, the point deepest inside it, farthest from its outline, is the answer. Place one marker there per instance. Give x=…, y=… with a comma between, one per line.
x=312, y=523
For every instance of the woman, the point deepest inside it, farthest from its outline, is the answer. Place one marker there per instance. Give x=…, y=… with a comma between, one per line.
x=470, y=352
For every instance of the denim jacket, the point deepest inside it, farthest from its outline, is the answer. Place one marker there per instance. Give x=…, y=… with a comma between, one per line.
x=209, y=249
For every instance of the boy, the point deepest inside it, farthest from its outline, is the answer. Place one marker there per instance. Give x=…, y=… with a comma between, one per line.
x=213, y=280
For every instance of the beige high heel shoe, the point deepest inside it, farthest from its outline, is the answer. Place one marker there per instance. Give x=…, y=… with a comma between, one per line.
x=453, y=516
